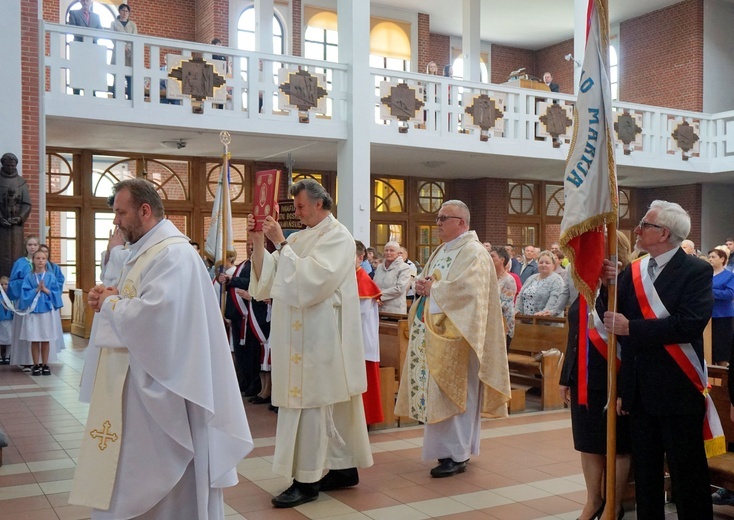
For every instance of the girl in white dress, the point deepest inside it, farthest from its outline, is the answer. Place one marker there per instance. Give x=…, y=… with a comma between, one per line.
x=40, y=295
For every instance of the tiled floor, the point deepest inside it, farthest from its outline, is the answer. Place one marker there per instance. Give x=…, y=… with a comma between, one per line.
x=527, y=469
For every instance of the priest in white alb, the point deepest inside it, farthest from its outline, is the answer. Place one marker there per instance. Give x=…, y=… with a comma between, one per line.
x=316, y=343
x=166, y=425
x=457, y=342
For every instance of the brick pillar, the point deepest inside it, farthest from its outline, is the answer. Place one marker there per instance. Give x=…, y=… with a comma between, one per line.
x=297, y=28
x=424, y=41
x=31, y=106
x=212, y=21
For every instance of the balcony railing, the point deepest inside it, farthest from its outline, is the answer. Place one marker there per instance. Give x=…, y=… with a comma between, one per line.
x=87, y=76
x=527, y=122
x=87, y=67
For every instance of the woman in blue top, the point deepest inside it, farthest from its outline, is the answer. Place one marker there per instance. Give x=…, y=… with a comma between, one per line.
x=39, y=296
x=722, y=319
x=19, y=351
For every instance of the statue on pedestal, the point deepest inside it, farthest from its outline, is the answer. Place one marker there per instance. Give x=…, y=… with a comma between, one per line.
x=15, y=207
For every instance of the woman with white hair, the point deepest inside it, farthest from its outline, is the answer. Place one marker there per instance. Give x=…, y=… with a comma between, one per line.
x=392, y=276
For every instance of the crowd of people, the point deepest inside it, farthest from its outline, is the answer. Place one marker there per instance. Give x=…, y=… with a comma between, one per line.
x=184, y=384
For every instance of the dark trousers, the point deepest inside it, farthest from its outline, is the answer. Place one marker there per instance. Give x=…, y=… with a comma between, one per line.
x=679, y=440
x=247, y=358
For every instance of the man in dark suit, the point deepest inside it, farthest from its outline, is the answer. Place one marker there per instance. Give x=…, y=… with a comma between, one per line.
x=548, y=80
x=664, y=301
x=243, y=312
x=84, y=17
x=529, y=265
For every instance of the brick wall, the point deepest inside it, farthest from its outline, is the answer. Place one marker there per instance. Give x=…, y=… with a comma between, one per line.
x=32, y=169
x=440, y=51
x=507, y=59
x=297, y=34
x=211, y=21
x=487, y=201
x=661, y=57
x=173, y=19
x=552, y=59
x=689, y=197
x=424, y=41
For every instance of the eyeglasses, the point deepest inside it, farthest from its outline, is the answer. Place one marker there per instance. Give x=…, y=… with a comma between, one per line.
x=645, y=225
x=444, y=218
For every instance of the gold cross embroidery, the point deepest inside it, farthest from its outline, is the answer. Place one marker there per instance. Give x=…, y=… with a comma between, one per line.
x=104, y=435
x=297, y=325
x=296, y=358
x=295, y=392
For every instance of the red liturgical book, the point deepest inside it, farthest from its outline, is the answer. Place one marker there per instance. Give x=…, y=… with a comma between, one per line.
x=265, y=200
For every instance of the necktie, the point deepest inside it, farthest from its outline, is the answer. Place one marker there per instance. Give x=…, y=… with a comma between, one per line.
x=86, y=16
x=651, y=269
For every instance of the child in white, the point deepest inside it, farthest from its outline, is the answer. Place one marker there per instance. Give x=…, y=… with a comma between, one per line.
x=40, y=297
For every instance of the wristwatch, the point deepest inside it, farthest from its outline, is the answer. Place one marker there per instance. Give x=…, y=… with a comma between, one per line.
x=278, y=247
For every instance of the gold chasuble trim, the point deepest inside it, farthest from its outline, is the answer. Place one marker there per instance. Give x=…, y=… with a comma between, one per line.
x=447, y=358
x=94, y=479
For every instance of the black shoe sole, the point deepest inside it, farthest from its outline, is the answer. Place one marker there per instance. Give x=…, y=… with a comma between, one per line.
x=295, y=503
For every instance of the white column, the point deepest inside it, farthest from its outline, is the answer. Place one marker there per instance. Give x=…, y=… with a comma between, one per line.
x=470, y=39
x=11, y=131
x=264, y=26
x=579, y=39
x=353, y=155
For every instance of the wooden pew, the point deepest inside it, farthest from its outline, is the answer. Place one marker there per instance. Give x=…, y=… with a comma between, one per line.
x=393, y=348
x=531, y=358
x=721, y=467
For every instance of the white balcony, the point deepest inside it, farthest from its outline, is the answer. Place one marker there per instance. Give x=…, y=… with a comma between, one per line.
x=99, y=114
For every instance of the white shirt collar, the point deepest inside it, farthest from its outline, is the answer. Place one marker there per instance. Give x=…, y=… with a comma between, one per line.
x=663, y=259
x=450, y=244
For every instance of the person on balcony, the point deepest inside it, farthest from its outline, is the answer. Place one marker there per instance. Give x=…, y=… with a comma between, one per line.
x=84, y=17
x=124, y=24
x=548, y=80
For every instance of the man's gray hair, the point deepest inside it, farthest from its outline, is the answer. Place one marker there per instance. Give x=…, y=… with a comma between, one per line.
x=393, y=244
x=314, y=191
x=141, y=192
x=463, y=209
x=673, y=217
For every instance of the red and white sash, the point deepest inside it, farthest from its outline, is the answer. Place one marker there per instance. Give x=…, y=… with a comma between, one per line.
x=683, y=354
x=595, y=335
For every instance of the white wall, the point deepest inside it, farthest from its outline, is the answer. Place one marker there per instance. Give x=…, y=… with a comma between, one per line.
x=718, y=64
x=717, y=215
x=11, y=131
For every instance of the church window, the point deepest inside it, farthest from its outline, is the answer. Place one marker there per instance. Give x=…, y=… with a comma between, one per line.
x=389, y=195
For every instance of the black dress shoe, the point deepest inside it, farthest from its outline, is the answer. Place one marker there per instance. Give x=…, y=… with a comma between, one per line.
x=273, y=408
x=260, y=400
x=448, y=468
x=299, y=493
x=339, y=479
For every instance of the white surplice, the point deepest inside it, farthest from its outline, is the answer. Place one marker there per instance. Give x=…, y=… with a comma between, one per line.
x=184, y=425
x=111, y=272
x=318, y=379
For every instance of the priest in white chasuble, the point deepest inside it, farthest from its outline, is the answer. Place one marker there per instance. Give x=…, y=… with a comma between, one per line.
x=456, y=353
x=166, y=425
x=316, y=345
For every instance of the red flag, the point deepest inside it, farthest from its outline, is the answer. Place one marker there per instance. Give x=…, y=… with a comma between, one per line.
x=590, y=181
